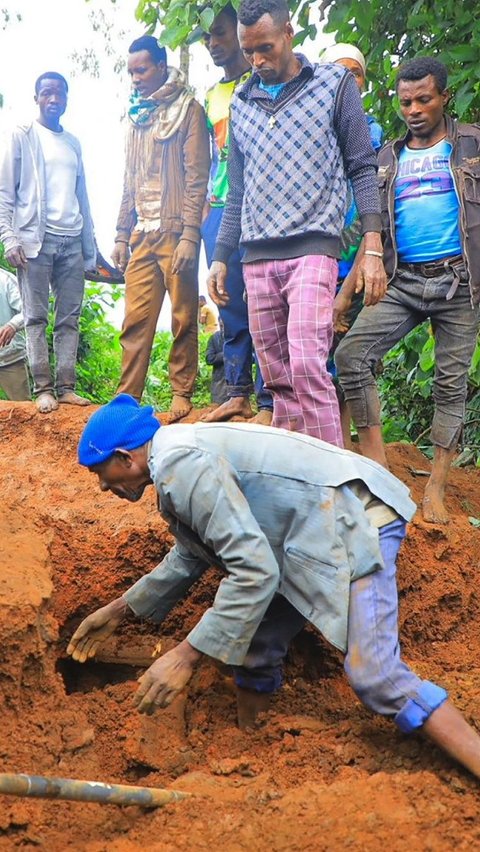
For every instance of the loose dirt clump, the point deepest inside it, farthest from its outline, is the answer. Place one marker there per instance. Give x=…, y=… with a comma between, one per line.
x=319, y=773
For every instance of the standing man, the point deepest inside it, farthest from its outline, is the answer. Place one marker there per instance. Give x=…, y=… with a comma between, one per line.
x=13, y=357
x=297, y=132
x=47, y=231
x=222, y=43
x=165, y=187
x=302, y=531
x=429, y=183
x=207, y=318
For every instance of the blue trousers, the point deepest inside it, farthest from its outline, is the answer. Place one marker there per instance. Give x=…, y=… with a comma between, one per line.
x=373, y=665
x=238, y=352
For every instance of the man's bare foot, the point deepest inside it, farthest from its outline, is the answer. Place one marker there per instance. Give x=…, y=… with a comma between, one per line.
x=249, y=704
x=237, y=406
x=72, y=398
x=180, y=407
x=433, y=507
x=46, y=403
x=264, y=417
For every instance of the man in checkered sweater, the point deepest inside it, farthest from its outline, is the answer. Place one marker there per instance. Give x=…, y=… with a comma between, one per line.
x=297, y=133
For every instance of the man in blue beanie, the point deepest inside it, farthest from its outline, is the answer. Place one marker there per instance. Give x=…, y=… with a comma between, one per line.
x=303, y=530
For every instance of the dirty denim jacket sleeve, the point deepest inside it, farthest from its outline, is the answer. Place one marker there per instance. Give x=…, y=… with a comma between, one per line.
x=202, y=491
x=154, y=595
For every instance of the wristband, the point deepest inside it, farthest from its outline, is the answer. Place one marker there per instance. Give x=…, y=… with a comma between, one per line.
x=373, y=253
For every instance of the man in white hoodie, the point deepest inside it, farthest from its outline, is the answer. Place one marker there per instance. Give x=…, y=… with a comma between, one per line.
x=47, y=232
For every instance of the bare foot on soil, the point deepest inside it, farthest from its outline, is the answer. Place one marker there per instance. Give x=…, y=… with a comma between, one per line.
x=433, y=507
x=46, y=403
x=72, y=398
x=249, y=704
x=264, y=417
x=180, y=407
x=237, y=406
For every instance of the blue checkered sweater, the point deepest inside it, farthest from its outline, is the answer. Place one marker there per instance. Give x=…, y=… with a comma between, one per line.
x=288, y=164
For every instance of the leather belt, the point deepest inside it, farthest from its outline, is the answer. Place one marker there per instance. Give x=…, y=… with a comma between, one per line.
x=433, y=268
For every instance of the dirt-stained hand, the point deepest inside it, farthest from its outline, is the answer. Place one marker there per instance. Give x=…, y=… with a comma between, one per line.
x=94, y=629
x=372, y=279
x=166, y=678
x=341, y=304
x=216, y=281
x=184, y=257
x=16, y=257
x=120, y=256
x=7, y=333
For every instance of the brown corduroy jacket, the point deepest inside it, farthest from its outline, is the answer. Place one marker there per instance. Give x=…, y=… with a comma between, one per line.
x=173, y=185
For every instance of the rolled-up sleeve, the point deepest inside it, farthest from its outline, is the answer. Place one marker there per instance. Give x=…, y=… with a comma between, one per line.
x=204, y=493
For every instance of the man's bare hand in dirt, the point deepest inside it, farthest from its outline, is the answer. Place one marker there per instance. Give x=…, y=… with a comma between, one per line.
x=216, y=281
x=166, y=678
x=95, y=629
x=7, y=333
x=370, y=272
x=120, y=256
x=184, y=257
x=16, y=257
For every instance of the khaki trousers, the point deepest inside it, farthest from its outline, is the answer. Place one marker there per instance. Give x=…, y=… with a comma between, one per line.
x=14, y=380
x=147, y=278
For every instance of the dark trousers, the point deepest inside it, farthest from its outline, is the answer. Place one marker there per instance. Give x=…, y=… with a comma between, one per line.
x=238, y=353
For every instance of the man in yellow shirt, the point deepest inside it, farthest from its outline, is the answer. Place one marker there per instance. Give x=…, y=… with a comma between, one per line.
x=207, y=317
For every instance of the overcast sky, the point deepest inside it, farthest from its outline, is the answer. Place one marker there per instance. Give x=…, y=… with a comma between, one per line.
x=47, y=37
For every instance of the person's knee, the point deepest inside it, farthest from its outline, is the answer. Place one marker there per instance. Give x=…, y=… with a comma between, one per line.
x=36, y=323
x=347, y=358
x=373, y=690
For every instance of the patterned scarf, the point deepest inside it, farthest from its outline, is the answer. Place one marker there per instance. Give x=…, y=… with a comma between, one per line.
x=166, y=107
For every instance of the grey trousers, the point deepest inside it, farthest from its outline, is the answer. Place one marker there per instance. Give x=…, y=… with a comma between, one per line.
x=410, y=299
x=14, y=380
x=59, y=265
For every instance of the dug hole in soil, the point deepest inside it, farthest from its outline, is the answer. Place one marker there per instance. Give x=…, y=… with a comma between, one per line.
x=319, y=773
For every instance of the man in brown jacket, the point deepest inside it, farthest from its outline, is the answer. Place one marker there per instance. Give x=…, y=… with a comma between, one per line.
x=165, y=185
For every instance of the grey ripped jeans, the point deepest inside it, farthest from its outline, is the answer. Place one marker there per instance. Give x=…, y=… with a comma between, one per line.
x=58, y=265
x=411, y=299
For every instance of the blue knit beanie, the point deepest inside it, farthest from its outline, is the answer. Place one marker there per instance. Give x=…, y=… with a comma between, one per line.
x=122, y=424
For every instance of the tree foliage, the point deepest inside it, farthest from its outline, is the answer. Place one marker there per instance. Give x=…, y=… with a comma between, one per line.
x=386, y=31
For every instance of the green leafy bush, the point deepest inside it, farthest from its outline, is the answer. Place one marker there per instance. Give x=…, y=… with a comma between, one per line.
x=99, y=355
x=406, y=385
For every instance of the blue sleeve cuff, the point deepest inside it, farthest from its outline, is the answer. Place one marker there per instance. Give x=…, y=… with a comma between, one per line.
x=417, y=710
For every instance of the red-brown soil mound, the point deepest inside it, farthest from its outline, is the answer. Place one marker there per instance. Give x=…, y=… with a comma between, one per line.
x=321, y=773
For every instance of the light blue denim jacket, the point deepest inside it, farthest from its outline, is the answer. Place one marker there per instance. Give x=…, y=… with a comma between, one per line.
x=275, y=509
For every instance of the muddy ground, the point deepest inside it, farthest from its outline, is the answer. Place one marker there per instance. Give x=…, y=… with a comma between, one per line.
x=320, y=773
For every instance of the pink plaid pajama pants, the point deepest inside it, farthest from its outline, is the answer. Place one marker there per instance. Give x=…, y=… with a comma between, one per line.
x=290, y=316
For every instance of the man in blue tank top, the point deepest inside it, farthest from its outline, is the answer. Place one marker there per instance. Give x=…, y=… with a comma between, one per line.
x=430, y=188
